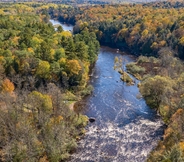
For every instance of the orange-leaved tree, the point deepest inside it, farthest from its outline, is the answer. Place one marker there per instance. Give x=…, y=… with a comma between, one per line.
x=7, y=86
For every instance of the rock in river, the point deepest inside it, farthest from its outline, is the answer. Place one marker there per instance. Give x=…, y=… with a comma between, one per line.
x=92, y=120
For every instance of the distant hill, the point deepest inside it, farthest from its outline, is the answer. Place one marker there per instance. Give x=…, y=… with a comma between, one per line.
x=85, y=1
x=163, y=3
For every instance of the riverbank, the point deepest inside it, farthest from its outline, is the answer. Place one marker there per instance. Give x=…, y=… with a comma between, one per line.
x=161, y=86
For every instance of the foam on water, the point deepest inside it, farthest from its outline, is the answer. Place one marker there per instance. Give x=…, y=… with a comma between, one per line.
x=130, y=142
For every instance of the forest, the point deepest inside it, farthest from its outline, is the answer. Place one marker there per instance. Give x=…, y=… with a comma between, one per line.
x=143, y=28
x=155, y=33
x=42, y=72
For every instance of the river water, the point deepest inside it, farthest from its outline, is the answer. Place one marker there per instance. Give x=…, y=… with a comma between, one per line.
x=67, y=27
x=126, y=129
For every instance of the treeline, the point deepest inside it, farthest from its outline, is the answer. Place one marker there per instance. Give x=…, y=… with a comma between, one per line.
x=142, y=28
x=166, y=4
x=81, y=2
x=42, y=71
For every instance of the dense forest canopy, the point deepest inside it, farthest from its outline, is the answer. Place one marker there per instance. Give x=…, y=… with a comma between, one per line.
x=42, y=71
x=33, y=40
x=142, y=28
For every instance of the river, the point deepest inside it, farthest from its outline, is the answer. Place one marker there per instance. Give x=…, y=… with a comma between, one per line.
x=126, y=129
x=66, y=27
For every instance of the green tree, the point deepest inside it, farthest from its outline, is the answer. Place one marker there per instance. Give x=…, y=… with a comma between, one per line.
x=43, y=69
x=59, y=29
x=59, y=53
x=81, y=50
x=154, y=88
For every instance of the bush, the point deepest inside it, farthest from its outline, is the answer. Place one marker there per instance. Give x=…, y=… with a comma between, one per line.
x=126, y=78
x=142, y=59
x=135, y=70
x=87, y=91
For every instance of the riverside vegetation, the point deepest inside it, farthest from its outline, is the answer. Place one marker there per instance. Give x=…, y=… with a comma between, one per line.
x=156, y=32
x=42, y=71
x=162, y=87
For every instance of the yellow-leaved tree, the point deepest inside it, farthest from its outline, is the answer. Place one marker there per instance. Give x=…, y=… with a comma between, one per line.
x=73, y=67
x=41, y=102
x=182, y=41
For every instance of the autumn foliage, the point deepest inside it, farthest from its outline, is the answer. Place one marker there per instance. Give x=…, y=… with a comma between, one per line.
x=7, y=86
x=142, y=28
x=162, y=87
x=36, y=123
